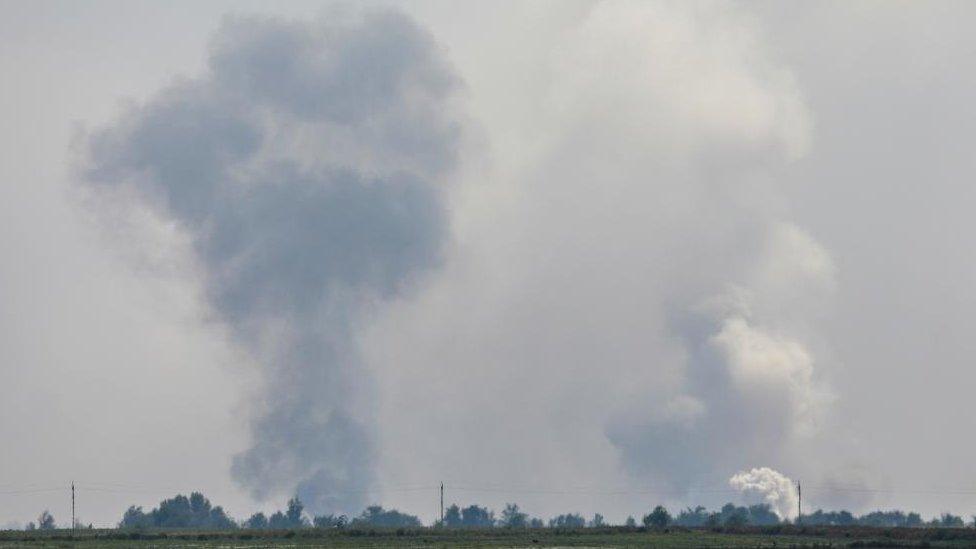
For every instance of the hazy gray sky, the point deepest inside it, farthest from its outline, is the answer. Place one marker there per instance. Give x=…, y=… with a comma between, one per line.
x=659, y=244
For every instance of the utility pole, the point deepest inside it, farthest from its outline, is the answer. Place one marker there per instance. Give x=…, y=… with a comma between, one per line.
x=73, y=505
x=799, y=502
x=442, y=504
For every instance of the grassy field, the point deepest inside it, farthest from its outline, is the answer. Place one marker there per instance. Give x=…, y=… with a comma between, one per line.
x=590, y=537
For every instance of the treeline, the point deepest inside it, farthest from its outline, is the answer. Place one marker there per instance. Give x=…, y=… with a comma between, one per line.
x=196, y=512
x=884, y=519
x=762, y=515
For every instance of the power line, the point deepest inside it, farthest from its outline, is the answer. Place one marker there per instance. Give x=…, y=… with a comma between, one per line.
x=32, y=491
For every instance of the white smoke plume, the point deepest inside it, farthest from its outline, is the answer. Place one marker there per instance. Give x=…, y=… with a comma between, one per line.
x=638, y=307
x=306, y=167
x=764, y=485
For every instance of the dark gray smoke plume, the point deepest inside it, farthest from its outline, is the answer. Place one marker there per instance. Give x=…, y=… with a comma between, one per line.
x=306, y=168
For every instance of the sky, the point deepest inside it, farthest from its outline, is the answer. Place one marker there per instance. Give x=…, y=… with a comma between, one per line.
x=583, y=256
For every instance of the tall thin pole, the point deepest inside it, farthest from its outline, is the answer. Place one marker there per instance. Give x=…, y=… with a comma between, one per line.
x=799, y=502
x=442, y=504
x=72, y=505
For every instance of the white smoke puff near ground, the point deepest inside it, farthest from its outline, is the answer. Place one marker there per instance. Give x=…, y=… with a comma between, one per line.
x=765, y=485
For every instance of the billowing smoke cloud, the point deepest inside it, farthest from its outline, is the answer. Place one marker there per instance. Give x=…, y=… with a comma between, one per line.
x=764, y=485
x=748, y=389
x=306, y=169
x=639, y=309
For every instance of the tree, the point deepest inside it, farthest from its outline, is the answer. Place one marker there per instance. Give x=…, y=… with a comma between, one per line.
x=257, y=521
x=134, y=517
x=219, y=519
x=762, y=515
x=513, y=518
x=294, y=514
x=734, y=516
x=913, y=520
x=692, y=517
x=658, y=518
x=832, y=518
x=568, y=520
x=375, y=515
x=45, y=521
x=329, y=521
x=597, y=521
x=452, y=517
x=278, y=521
x=536, y=523
x=630, y=523
x=948, y=520
x=473, y=516
x=199, y=505
x=173, y=513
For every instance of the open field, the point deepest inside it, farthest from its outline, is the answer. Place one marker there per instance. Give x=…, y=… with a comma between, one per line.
x=590, y=537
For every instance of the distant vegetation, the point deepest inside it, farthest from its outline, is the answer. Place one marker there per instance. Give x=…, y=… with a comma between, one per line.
x=196, y=512
x=471, y=516
x=179, y=512
x=44, y=522
x=728, y=515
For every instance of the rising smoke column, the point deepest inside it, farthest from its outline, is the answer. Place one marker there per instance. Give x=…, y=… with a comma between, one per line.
x=306, y=169
x=748, y=392
x=641, y=308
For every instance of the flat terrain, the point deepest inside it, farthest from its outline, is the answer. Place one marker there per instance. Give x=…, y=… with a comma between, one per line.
x=785, y=536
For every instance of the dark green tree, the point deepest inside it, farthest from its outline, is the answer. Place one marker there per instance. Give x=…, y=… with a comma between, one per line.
x=473, y=516
x=513, y=518
x=692, y=517
x=452, y=517
x=45, y=521
x=134, y=517
x=180, y=512
x=762, y=515
x=734, y=516
x=568, y=520
x=257, y=521
x=329, y=521
x=658, y=518
x=278, y=521
x=376, y=516
x=948, y=520
x=295, y=513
